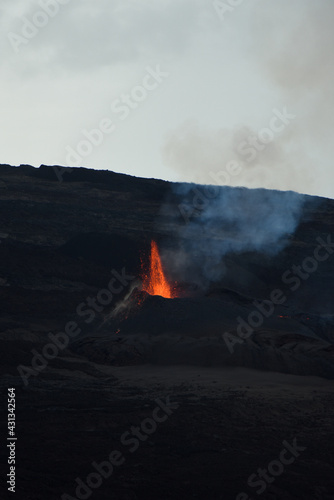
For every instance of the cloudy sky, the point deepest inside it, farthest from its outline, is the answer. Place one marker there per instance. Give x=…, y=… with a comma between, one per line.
x=237, y=92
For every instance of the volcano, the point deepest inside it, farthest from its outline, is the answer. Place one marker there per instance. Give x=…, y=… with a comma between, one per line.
x=74, y=252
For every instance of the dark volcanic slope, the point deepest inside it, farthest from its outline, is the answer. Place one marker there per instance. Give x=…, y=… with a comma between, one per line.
x=61, y=244
x=60, y=241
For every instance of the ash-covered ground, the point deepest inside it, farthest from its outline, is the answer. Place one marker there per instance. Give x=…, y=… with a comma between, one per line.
x=225, y=392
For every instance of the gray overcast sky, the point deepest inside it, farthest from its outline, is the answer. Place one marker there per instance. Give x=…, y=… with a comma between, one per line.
x=236, y=91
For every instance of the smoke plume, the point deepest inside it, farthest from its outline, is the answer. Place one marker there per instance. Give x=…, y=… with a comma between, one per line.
x=218, y=221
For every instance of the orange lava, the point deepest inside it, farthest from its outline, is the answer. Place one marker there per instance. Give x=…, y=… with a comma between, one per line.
x=154, y=281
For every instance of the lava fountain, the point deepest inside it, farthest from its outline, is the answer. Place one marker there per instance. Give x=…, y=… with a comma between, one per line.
x=154, y=280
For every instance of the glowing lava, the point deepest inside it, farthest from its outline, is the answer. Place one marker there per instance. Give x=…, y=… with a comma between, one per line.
x=154, y=281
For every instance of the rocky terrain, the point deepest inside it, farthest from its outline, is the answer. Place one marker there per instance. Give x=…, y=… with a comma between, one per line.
x=70, y=235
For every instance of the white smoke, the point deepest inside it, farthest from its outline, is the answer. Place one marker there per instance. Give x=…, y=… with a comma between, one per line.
x=289, y=45
x=231, y=221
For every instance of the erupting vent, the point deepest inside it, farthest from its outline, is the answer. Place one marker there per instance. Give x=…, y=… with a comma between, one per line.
x=154, y=280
